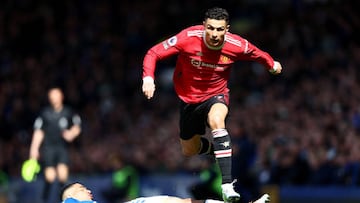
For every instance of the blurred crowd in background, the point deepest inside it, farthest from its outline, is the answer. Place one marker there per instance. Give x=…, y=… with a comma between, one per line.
x=299, y=128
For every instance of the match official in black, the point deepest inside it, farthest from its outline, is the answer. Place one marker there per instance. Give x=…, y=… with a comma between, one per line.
x=55, y=127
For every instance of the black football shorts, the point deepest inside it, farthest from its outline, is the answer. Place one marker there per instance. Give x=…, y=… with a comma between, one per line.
x=193, y=117
x=51, y=156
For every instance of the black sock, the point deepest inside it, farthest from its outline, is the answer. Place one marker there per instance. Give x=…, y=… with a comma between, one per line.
x=206, y=146
x=46, y=191
x=61, y=184
x=223, y=152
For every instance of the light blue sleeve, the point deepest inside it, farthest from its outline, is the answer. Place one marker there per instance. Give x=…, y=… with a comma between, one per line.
x=152, y=199
x=70, y=200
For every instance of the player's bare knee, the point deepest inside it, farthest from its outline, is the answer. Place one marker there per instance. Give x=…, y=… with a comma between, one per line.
x=191, y=147
x=189, y=152
x=50, y=174
x=216, y=122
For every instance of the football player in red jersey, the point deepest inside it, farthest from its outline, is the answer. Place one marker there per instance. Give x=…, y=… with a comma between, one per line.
x=205, y=55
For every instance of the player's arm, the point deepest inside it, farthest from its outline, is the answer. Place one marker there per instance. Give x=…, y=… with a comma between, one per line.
x=263, y=199
x=74, y=131
x=255, y=54
x=37, y=138
x=160, y=51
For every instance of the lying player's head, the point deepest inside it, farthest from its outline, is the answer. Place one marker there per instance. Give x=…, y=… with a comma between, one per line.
x=216, y=23
x=76, y=191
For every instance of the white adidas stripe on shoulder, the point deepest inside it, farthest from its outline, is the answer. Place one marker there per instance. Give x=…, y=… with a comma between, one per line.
x=195, y=33
x=233, y=41
x=246, y=46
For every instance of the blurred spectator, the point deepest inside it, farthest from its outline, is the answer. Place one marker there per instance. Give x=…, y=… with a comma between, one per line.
x=125, y=182
x=209, y=185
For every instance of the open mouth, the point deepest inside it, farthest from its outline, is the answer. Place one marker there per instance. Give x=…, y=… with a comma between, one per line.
x=214, y=41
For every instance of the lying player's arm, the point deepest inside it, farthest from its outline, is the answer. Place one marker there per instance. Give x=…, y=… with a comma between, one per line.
x=263, y=199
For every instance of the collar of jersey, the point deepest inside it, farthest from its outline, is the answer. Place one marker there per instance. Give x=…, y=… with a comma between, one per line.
x=72, y=200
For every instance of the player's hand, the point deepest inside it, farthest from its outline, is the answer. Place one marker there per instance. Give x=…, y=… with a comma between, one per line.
x=276, y=69
x=68, y=135
x=148, y=87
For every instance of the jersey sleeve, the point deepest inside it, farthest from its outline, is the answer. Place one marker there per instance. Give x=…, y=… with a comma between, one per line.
x=162, y=50
x=72, y=116
x=38, y=124
x=70, y=200
x=253, y=53
x=76, y=120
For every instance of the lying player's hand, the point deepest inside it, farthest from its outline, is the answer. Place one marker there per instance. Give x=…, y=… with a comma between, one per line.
x=148, y=87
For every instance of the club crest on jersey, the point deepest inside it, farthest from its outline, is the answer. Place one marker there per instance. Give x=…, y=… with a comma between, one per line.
x=170, y=42
x=224, y=59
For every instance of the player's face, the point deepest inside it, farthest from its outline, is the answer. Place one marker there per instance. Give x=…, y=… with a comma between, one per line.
x=215, y=31
x=80, y=192
x=55, y=98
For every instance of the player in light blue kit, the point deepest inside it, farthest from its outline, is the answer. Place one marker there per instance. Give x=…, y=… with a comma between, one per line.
x=78, y=193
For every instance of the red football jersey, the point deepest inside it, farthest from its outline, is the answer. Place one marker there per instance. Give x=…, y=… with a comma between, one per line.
x=200, y=72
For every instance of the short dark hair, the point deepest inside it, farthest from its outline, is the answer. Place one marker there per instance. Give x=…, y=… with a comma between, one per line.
x=63, y=189
x=217, y=14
